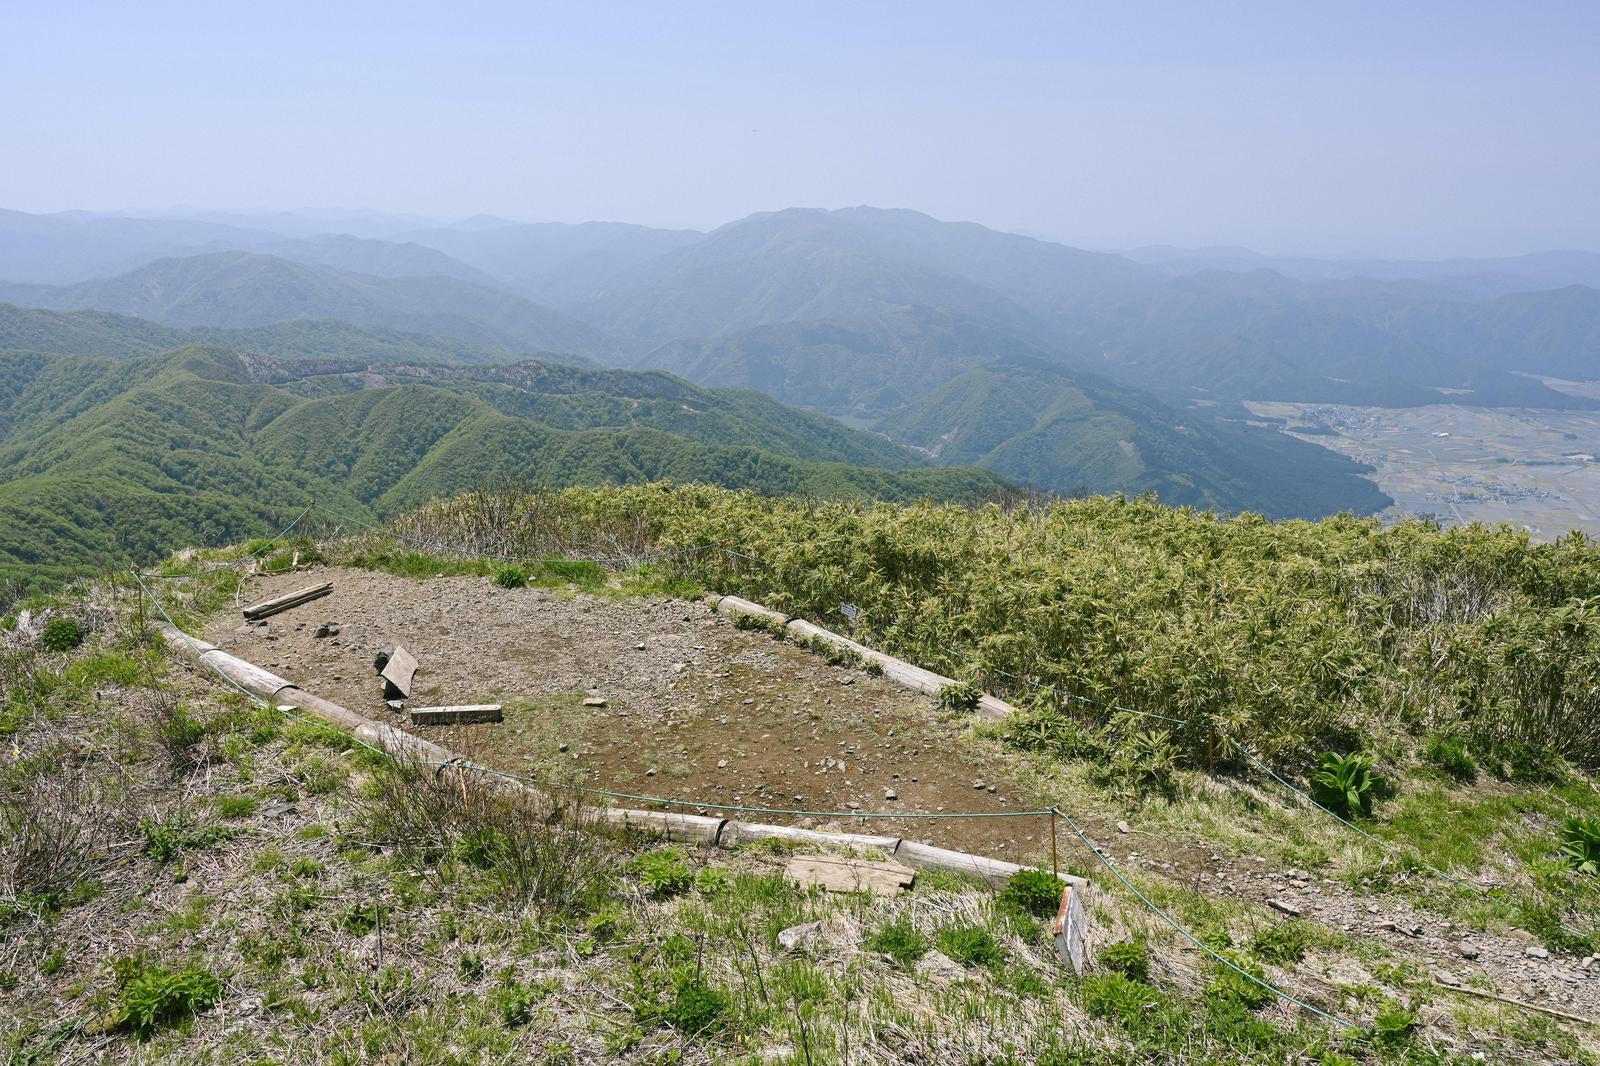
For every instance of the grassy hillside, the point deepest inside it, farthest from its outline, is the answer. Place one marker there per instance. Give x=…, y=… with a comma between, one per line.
x=278, y=889
x=105, y=460
x=235, y=290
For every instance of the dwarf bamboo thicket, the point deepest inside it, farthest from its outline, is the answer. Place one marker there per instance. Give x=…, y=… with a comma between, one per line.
x=1286, y=637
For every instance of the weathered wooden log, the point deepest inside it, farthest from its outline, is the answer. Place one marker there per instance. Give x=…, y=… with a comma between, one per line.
x=995, y=871
x=733, y=606
x=689, y=828
x=736, y=833
x=267, y=608
x=397, y=673
x=897, y=670
x=465, y=714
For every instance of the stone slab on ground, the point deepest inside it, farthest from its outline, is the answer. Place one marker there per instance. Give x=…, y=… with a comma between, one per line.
x=849, y=875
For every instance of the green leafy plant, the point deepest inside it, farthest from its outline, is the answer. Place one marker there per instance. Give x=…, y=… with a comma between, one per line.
x=665, y=872
x=1344, y=783
x=61, y=634
x=152, y=998
x=1035, y=893
x=1242, y=982
x=1127, y=957
x=1144, y=763
x=165, y=838
x=1394, y=1025
x=697, y=1007
x=959, y=696
x=971, y=945
x=1580, y=844
x=1284, y=942
x=1109, y=994
x=900, y=941
x=516, y=1004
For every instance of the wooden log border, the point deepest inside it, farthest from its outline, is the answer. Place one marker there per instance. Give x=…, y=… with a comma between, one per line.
x=689, y=828
x=902, y=673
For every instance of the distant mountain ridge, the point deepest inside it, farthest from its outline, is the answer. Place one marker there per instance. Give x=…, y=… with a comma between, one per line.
x=1103, y=372
x=245, y=289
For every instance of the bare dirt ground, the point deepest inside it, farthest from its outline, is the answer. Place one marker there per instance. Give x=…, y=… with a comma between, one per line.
x=696, y=709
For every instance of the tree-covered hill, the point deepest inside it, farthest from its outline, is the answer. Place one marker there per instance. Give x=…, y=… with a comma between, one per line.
x=234, y=290
x=109, y=459
x=967, y=393
x=1218, y=334
x=104, y=333
x=1042, y=426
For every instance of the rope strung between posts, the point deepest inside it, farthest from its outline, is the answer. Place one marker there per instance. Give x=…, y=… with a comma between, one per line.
x=1105, y=860
x=1264, y=768
x=1384, y=844
x=284, y=532
x=600, y=560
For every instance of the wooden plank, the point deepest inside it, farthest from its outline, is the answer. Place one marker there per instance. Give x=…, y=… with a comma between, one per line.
x=267, y=608
x=398, y=673
x=849, y=875
x=1070, y=926
x=460, y=715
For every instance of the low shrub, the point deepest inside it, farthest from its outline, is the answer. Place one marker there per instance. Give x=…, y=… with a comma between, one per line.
x=697, y=1007
x=900, y=941
x=1283, y=943
x=511, y=577
x=1112, y=995
x=1394, y=1025
x=152, y=998
x=1129, y=958
x=970, y=945
x=533, y=849
x=1239, y=981
x=61, y=634
x=665, y=872
x=164, y=838
x=959, y=696
x=1450, y=756
x=1034, y=893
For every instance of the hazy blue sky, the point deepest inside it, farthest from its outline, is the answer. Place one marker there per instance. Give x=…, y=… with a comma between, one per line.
x=1401, y=128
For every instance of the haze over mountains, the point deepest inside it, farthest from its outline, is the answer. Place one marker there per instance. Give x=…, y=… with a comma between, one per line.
x=1056, y=368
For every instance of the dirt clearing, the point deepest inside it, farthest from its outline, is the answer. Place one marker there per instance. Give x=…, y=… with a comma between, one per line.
x=695, y=708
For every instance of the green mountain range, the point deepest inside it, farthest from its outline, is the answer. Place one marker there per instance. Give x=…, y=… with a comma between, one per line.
x=103, y=333
x=1054, y=367
x=243, y=290
x=110, y=459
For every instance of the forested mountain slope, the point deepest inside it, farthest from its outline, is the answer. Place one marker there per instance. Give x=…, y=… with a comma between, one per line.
x=236, y=290
x=106, y=459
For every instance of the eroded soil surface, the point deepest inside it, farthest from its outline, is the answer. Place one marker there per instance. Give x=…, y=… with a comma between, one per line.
x=695, y=708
